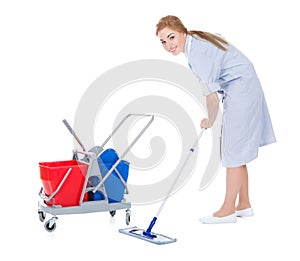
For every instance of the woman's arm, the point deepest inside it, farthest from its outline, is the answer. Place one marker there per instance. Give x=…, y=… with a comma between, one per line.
x=212, y=103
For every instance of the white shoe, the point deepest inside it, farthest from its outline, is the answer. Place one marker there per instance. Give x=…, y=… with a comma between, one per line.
x=218, y=220
x=247, y=212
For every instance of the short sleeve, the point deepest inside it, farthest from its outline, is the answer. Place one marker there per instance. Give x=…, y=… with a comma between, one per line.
x=204, y=88
x=207, y=70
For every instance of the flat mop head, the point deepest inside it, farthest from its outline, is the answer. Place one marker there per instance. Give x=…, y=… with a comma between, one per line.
x=152, y=238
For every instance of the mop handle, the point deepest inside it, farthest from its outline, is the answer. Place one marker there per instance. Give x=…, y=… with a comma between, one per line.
x=192, y=149
x=148, y=231
x=74, y=134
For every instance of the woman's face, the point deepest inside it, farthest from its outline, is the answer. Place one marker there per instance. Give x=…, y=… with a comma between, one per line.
x=172, y=41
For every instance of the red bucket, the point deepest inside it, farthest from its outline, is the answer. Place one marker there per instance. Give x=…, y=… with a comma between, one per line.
x=52, y=173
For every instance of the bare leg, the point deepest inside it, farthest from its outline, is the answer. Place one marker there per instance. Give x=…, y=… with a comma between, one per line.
x=234, y=181
x=243, y=201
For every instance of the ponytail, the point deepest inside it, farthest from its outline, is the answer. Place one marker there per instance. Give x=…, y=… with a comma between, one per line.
x=214, y=39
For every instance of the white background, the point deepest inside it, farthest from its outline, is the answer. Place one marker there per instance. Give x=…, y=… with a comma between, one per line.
x=51, y=51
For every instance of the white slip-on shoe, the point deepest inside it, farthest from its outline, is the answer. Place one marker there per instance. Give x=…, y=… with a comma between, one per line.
x=219, y=220
x=247, y=212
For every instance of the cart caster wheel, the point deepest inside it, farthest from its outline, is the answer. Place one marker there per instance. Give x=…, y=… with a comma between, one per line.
x=50, y=225
x=127, y=217
x=42, y=215
x=50, y=228
x=112, y=213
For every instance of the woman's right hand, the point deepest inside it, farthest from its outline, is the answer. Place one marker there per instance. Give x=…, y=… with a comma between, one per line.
x=205, y=124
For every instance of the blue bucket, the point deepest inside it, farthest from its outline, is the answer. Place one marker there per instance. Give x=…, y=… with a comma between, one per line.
x=98, y=195
x=113, y=185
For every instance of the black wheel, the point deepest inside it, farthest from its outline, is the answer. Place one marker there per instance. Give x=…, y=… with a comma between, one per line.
x=50, y=228
x=127, y=218
x=42, y=215
x=112, y=213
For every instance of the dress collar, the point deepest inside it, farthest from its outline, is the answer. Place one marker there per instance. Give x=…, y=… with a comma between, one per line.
x=188, y=42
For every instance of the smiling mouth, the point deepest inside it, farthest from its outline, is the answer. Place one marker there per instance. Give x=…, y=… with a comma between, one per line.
x=172, y=50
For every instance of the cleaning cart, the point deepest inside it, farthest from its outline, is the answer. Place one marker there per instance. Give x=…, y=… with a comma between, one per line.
x=93, y=181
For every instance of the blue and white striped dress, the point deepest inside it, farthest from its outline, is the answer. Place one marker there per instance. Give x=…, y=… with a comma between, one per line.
x=246, y=122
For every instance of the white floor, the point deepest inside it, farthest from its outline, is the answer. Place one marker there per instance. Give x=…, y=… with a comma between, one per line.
x=50, y=54
x=269, y=234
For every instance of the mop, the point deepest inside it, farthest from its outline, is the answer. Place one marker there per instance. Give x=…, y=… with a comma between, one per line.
x=147, y=234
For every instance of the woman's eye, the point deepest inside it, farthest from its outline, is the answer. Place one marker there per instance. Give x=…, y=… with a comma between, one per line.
x=163, y=42
x=172, y=37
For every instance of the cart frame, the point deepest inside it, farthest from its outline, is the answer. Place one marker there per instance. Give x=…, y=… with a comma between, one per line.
x=90, y=158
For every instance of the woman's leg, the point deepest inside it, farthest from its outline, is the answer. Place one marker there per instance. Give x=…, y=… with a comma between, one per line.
x=243, y=201
x=234, y=181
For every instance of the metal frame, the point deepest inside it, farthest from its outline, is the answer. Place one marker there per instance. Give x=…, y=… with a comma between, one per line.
x=90, y=158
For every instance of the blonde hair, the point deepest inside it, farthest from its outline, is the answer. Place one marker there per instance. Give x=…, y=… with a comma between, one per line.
x=174, y=23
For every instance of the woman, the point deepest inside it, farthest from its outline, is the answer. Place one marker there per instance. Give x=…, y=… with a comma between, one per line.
x=246, y=123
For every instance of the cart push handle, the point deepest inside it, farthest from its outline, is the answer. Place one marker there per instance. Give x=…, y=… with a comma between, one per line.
x=130, y=145
x=121, y=123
